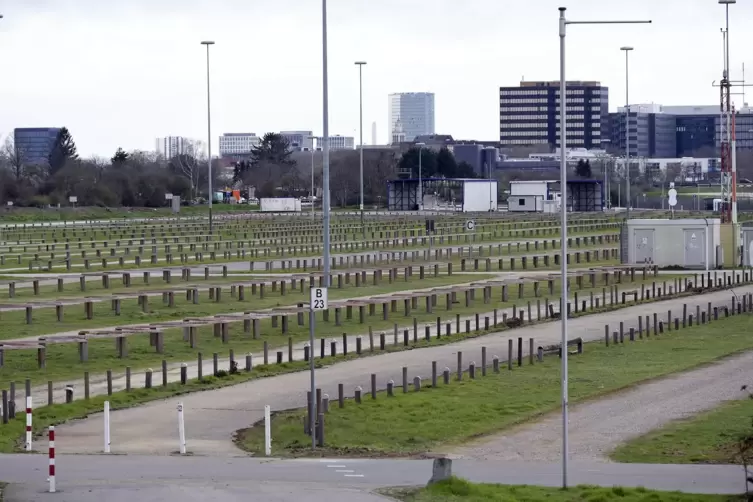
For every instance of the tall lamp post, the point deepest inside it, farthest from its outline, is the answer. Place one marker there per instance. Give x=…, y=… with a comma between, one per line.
x=311, y=194
x=563, y=23
x=627, y=127
x=420, y=181
x=325, y=211
x=209, y=138
x=360, y=120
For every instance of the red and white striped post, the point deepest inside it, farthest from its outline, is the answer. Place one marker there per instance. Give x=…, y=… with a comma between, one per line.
x=28, y=423
x=52, y=459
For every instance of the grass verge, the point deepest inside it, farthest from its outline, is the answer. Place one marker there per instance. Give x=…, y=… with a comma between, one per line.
x=706, y=438
x=425, y=421
x=459, y=490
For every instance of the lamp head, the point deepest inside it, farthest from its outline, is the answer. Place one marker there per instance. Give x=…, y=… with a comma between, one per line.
x=207, y=42
x=626, y=48
x=727, y=2
x=360, y=62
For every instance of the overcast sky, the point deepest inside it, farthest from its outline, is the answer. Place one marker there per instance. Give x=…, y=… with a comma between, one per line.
x=121, y=73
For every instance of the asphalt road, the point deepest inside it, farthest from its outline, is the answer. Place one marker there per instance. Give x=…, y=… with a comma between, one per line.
x=212, y=417
x=83, y=478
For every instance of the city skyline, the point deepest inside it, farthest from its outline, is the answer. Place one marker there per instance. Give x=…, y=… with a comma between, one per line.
x=102, y=95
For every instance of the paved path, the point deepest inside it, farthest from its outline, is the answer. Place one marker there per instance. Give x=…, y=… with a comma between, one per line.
x=98, y=384
x=173, y=479
x=597, y=427
x=212, y=417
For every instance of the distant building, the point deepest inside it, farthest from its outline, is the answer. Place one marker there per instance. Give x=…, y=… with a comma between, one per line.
x=172, y=146
x=34, y=144
x=653, y=133
x=233, y=144
x=529, y=114
x=338, y=142
x=299, y=140
x=412, y=113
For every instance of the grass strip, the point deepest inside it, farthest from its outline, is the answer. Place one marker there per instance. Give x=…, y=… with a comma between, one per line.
x=459, y=490
x=424, y=421
x=707, y=438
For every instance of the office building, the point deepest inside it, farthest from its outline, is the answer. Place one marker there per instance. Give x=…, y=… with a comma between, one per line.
x=34, y=144
x=411, y=114
x=338, y=142
x=653, y=133
x=172, y=146
x=299, y=140
x=529, y=114
x=242, y=143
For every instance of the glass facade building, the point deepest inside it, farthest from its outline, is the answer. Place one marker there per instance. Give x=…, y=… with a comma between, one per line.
x=411, y=114
x=34, y=144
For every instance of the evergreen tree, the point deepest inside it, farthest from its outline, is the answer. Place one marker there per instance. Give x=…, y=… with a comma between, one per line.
x=119, y=157
x=63, y=150
x=274, y=149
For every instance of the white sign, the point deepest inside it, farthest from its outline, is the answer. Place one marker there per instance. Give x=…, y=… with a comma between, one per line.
x=470, y=225
x=672, y=194
x=318, y=299
x=168, y=196
x=72, y=199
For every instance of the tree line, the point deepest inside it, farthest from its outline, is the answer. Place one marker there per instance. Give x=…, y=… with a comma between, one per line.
x=273, y=169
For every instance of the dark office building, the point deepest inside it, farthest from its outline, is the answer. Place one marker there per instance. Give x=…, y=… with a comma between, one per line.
x=695, y=133
x=651, y=134
x=529, y=114
x=35, y=143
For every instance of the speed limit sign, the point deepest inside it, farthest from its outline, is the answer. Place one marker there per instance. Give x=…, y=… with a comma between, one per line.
x=470, y=225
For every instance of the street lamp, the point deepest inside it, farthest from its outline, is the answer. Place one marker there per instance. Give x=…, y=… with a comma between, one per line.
x=730, y=136
x=311, y=194
x=325, y=218
x=627, y=127
x=209, y=138
x=420, y=184
x=360, y=108
x=563, y=22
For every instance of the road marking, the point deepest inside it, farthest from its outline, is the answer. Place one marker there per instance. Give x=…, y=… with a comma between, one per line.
x=336, y=466
x=345, y=470
x=354, y=475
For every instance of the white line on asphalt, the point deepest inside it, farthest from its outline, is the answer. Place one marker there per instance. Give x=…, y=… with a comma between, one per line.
x=345, y=470
x=336, y=466
x=354, y=475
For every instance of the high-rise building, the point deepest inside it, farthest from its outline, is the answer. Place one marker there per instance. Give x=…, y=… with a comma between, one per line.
x=373, y=133
x=34, y=144
x=299, y=140
x=171, y=146
x=240, y=143
x=413, y=112
x=529, y=114
x=338, y=142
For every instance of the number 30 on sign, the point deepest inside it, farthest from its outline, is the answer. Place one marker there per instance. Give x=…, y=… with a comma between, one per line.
x=318, y=300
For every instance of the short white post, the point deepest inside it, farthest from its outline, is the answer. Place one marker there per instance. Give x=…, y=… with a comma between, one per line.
x=51, y=457
x=28, y=423
x=267, y=432
x=107, y=426
x=181, y=429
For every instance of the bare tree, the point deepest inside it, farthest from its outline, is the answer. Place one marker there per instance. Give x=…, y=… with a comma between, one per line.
x=189, y=164
x=14, y=158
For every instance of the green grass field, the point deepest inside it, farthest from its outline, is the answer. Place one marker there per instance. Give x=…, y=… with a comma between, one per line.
x=426, y=421
x=459, y=490
x=707, y=438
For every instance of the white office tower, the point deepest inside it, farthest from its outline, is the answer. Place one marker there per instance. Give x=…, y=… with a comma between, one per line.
x=243, y=143
x=171, y=146
x=415, y=113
